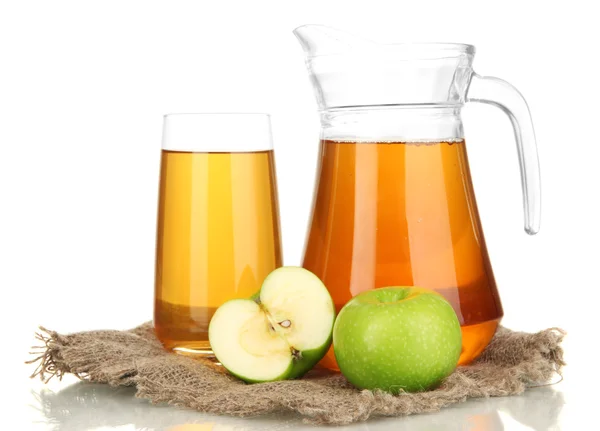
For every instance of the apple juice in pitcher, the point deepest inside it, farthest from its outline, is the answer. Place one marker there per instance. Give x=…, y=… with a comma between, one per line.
x=375, y=225
x=394, y=202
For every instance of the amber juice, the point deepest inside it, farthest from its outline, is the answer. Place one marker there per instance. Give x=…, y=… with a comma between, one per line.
x=403, y=214
x=218, y=238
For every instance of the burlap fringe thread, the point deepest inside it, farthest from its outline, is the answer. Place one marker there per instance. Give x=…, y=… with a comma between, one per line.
x=512, y=362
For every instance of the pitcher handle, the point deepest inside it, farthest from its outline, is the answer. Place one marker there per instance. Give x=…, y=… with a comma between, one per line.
x=494, y=91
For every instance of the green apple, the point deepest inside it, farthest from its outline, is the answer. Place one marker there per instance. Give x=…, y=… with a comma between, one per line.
x=281, y=333
x=397, y=338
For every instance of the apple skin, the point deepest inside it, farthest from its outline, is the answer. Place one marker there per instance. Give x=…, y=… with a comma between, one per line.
x=286, y=375
x=397, y=339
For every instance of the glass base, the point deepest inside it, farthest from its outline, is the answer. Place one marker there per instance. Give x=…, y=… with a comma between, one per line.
x=195, y=349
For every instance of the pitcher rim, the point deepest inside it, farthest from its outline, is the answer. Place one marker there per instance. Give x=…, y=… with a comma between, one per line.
x=410, y=50
x=368, y=45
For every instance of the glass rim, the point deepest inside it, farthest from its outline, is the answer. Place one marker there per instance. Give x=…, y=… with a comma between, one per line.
x=217, y=132
x=206, y=114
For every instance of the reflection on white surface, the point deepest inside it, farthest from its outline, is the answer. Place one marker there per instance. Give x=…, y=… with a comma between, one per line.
x=85, y=406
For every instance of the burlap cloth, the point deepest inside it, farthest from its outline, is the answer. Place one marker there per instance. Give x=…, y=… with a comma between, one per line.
x=512, y=362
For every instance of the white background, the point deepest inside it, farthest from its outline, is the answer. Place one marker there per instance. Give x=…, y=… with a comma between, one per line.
x=84, y=85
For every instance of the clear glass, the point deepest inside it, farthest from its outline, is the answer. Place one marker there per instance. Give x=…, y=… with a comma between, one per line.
x=218, y=221
x=394, y=201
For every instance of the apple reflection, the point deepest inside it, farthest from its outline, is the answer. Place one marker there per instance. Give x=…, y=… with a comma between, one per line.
x=87, y=406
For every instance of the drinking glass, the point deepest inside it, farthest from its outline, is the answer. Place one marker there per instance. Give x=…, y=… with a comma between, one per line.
x=218, y=221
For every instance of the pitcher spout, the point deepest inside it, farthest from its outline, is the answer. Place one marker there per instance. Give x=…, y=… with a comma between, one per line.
x=322, y=40
x=349, y=71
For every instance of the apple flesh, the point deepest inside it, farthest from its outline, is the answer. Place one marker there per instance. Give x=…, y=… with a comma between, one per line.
x=281, y=333
x=397, y=339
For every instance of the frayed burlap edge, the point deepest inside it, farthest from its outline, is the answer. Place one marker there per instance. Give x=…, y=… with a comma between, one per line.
x=512, y=362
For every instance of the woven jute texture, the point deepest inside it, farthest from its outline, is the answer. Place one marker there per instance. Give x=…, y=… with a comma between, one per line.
x=511, y=363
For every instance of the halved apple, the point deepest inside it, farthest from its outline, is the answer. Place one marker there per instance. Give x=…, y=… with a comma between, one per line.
x=281, y=333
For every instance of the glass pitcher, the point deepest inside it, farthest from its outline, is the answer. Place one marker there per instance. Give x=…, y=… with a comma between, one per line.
x=394, y=202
